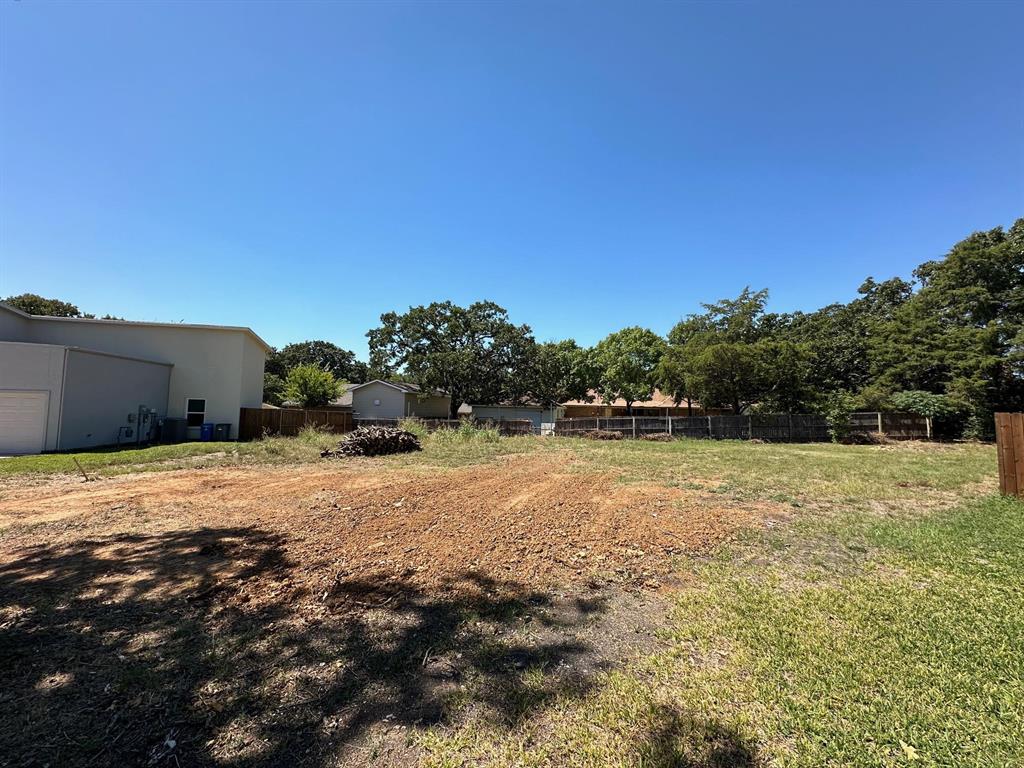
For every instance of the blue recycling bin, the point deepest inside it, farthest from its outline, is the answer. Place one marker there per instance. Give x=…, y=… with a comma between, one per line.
x=206, y=432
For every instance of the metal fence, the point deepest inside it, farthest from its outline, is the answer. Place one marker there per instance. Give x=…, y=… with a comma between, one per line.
x=770, y=427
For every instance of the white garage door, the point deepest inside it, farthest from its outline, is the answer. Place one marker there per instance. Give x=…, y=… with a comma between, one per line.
x=22, y=421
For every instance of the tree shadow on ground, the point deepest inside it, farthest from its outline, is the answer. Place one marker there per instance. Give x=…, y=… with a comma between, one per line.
x=202, y=648
x=677, y=740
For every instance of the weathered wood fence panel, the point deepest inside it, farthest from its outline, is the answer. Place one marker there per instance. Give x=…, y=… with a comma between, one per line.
x=254, y=423
x=1010, y=450
x=772, y=427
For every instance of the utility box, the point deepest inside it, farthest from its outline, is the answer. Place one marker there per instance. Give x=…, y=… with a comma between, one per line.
x=173, y=430
x=222, y=432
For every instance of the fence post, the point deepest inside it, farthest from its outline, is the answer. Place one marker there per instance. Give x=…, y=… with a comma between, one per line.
x=928, y=426
x=710, y=433
x=790, y=415
x=634, y=427
x=669, y=420
x=880, y=431
x=598, y=427
x=750, y=427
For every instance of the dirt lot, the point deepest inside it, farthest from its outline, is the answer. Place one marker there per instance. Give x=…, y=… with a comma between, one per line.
x=319, y=615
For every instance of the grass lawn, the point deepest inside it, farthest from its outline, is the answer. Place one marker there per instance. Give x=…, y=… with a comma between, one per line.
x=882, y=626
x=875, y=618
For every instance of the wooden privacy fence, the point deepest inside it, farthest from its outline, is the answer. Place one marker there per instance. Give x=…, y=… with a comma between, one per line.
x=254, y=423
x=770, y=427
x=1010, y=450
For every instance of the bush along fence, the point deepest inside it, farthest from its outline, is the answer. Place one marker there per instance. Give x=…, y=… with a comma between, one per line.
x=771, y=427
x=1010, y=450
x=505, y=427
x=254, y=423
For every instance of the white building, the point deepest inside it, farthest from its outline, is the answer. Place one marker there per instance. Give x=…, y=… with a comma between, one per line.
x=69, y=383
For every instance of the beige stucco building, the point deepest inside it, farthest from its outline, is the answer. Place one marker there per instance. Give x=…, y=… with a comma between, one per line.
x=69, y=383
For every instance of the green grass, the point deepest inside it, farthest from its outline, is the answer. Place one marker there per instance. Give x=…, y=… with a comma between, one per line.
x=879, y=633
x=305, y=447
x=821, y=471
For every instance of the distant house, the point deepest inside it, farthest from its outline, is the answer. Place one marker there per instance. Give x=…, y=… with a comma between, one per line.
x=70, y=382
x=380, y=399
x=537, y=414
x=658, y=405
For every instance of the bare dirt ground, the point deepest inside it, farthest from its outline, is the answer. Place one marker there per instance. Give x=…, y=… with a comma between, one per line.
x=320, y=615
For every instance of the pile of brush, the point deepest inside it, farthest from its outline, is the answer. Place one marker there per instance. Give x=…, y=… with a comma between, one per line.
x=602, y=434
x=374, y=441
x=657, y=437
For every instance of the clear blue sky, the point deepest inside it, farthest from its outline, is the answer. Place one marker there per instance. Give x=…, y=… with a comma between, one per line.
x=303, y=167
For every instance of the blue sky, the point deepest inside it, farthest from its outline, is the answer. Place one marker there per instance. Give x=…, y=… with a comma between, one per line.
x=303, y=167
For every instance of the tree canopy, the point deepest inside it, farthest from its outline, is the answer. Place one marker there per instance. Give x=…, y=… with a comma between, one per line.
x=627, y=364
x=341, y=363
x=35, y=304
x=475, y=354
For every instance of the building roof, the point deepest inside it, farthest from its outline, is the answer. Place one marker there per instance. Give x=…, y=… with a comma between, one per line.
x=194, y=326
x=402, y=386
x=658, y=400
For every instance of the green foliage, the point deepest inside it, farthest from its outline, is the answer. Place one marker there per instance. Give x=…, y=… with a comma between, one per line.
x=38, y=305
x=923, y=403
x=310, y=386
x=341, y=363
x=34, y=304
x=724, y=375
x=837, y=409
x=960, y=334
x=473, y=353
x=734, y=355
x=466, y=432
x=559, y=371
x=273, y=389
x=415, y=427
x=627, y=364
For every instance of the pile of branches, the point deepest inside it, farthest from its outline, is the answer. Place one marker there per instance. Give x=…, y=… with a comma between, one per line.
x=658, y=437
x=374, y=441
x=602, y=434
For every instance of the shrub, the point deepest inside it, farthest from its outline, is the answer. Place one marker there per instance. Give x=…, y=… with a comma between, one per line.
x=837, y=410
x=466, y=432
x=310, y=386
x=415, y=427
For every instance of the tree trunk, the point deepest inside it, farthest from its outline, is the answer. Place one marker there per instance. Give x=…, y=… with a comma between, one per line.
x=453, y=407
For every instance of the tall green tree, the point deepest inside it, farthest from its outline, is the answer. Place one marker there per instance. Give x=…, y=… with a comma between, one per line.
x=342, y=363
x=559, y=371
x=961, y=332
x=724, y=375
x=627, y=365
x=474, y=353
